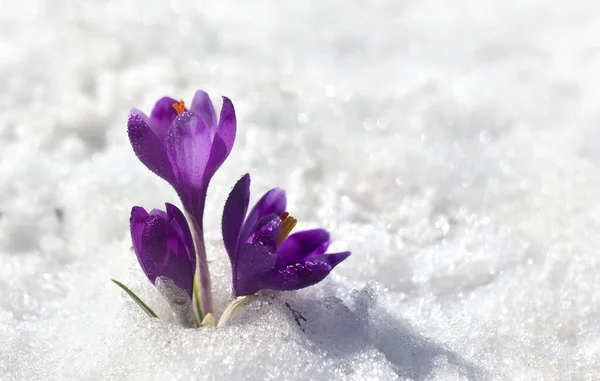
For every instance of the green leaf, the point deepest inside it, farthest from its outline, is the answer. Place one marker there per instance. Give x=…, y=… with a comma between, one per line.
x=136, y=299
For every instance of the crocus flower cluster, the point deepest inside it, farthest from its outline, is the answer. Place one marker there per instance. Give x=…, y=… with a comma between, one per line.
x=262, y=253
x=185, y=147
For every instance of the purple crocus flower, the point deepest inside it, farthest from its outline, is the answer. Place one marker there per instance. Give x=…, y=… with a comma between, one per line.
x=186, y=147
x=163, y=244
x=261, y=253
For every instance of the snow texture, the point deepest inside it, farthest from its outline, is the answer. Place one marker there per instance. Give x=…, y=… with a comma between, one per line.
x=451, y=145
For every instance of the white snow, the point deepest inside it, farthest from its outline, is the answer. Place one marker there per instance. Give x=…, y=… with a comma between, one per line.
x=451, y=145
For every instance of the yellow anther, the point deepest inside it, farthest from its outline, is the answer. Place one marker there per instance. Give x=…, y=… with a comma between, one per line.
x=287, y=225
x=179, y=107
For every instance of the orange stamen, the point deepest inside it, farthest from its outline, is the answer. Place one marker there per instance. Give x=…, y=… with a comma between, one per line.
x=287, y=225
x=179, y=107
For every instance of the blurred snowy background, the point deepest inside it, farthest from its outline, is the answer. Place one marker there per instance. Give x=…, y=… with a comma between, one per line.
x=451, y=145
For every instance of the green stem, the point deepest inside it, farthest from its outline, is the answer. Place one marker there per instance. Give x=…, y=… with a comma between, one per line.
x=202, y=278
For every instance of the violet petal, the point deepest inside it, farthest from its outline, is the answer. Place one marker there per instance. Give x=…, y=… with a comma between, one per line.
x=188, y=144
x=272, y=202
x=227, y=127
x=333, y=259
x=148, y=147
x=203, y=107
x=296, y=276
x=153, y=253
x=302, y=274
x=159, y=247
x=162, y=116
x=223, y=138
x=180, y=224
x=302, y=246
x=137, y=220
x=234, y=212
x=161, y=213
x=218, y=154
x=246, y=278
x=257, y=254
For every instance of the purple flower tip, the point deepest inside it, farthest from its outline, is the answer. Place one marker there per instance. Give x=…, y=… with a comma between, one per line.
x=163, y=244
x=262, y=253
x=184, y=146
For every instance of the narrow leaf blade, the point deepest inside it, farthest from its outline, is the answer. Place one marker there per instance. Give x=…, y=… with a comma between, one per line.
x=136, y=299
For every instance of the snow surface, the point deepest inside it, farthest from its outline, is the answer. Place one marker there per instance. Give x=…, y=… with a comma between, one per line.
x=451, y=145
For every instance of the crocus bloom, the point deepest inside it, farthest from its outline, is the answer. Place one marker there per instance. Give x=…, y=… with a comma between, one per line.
x=261, y=253
x=163, y=244
x=186, y=147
